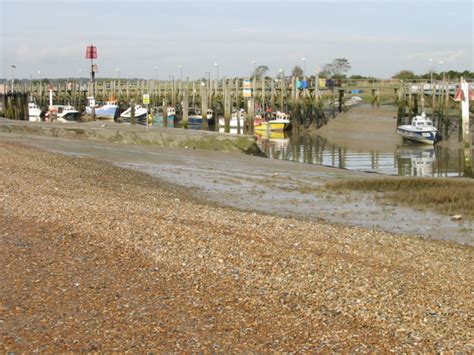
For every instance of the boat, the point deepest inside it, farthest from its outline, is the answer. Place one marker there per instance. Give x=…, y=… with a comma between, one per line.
x=279, y=121
x=421, y=130
x=140, y=113
x=65, y=113
x=34, y=112
x=234, y=122
x=107, y=111
x=158, y=116
x=354, y=100
x=195, y=116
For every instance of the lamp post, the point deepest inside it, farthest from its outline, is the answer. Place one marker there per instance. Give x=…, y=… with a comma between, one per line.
x=282, y=85
x=304, y=65
x=13, y=78
x=173, y=99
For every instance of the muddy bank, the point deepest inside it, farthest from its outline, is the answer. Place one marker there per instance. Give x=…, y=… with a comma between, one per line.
x=122, y=133
x=276, y=187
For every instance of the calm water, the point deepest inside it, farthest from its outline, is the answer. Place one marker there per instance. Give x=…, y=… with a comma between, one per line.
x=405, y=160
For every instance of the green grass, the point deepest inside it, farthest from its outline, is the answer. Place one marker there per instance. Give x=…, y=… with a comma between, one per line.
x=447, y=196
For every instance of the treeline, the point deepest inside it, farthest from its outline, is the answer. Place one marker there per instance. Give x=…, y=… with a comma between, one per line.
x=451, y=74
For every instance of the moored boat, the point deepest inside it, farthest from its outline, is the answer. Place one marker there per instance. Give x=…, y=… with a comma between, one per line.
x=237, y=119
x=195, y=117
x=279, y=121
x=140, y=113
x=66, y=113
x=170, y=116
x=107, y=111
x=421, y=130
x=34, y=112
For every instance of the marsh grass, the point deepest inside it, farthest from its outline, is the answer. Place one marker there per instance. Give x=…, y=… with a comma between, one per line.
x=443, y=195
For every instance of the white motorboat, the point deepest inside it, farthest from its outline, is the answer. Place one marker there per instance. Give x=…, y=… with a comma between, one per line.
x=237, y=118
x=420, y=130
x=354, y=100
x=65, y=113
x=34, y=112
x=107, y=111
x=140, y=113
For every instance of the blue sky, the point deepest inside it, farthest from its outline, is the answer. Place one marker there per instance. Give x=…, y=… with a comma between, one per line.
x=379, y=38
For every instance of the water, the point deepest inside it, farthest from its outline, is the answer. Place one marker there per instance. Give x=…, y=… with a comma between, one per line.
x=404, y=160
x=409, y=159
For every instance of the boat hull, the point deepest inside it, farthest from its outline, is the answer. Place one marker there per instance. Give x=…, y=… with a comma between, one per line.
x=272, y=126
x=197, y=120
x=105, y=112
x=158, y=121
x=424, y=137
x=233, y=123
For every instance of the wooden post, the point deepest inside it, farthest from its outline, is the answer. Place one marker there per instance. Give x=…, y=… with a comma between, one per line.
x=204, y=124
x=132, y=111
x=282, y=91
x=251, y=111
x=227, y=107
x=341, y=99
x=165, y=112
x=185, y=104
x=466, y=138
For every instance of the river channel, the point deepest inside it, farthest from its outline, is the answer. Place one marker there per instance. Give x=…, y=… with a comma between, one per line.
x=405, y=159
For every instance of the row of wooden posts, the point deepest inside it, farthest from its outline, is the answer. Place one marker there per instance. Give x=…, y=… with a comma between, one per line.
x=308, y=107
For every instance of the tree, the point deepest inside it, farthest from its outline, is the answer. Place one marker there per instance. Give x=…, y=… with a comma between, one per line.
x=297, y=71
x=260, y=71
x=337, y=68
x=404, y=75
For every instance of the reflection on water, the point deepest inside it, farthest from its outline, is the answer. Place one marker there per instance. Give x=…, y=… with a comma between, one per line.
x=406, y=160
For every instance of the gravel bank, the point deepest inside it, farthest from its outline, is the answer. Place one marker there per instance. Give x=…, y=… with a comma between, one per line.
x=101, y=258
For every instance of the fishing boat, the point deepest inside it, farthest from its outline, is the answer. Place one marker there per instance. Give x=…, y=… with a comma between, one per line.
x=421, y=130
x=140, y=113
x=195, y=117
x=237, y=119
x=34, y=112
x=279, y=121
x=66, y=113
x=107, y=111
x=170, y=116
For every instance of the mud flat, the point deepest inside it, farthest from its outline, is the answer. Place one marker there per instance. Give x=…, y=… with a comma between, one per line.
x=101, y=258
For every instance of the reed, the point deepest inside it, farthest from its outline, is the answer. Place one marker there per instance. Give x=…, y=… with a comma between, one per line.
x=443, y=195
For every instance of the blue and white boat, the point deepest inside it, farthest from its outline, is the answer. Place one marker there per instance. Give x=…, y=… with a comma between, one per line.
x=170, y=117
x=421, y=130
x=195, y=117
x=107, y=111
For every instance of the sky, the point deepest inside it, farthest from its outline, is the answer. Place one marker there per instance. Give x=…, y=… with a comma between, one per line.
x=149, y=39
